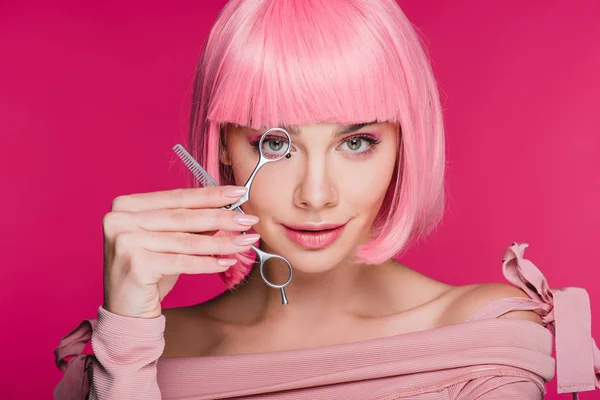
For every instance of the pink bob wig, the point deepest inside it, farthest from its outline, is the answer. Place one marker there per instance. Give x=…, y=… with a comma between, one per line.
x=270, y=63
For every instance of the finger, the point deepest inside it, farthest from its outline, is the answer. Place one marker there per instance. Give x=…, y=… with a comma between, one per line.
x=186, y=220
x=209, y=197
x=175, y=264
x=184, y=243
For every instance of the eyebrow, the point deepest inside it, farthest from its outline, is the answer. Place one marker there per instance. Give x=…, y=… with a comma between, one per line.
x=344, y=130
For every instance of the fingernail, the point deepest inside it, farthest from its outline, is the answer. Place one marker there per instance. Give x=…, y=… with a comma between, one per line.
x=244, y=240
x=245, y=219
x=235, y=191
x=226, y=262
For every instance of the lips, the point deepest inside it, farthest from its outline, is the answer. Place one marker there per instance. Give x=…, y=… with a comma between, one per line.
x=314, y=236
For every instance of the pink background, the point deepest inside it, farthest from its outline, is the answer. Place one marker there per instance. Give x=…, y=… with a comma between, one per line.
x=92, y=98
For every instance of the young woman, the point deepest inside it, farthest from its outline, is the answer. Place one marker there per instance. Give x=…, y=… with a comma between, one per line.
x=352, y=85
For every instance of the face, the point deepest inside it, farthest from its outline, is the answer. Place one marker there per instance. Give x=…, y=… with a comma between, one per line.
x=316, y=207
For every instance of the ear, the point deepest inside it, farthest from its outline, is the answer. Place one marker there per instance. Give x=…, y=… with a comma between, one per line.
x=224, y=156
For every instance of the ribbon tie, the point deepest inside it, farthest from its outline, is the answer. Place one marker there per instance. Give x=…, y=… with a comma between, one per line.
x=74, y=385
x=567, y=312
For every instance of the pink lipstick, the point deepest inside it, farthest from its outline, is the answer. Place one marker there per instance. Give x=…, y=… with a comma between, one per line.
x=314, y=236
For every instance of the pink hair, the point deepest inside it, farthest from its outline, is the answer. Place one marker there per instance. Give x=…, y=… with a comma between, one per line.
x=269, y=63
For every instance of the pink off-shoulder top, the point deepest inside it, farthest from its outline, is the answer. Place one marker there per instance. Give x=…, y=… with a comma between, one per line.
x=484, y=358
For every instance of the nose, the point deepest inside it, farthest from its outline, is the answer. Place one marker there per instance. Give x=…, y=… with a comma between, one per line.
x=315, y=189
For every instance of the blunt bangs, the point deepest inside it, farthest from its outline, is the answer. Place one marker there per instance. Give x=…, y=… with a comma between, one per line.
x=301, y=62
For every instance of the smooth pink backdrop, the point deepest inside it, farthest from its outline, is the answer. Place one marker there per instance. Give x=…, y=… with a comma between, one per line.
x=93, y=97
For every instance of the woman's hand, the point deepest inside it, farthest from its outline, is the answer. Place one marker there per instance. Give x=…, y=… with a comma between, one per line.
x=152, y=238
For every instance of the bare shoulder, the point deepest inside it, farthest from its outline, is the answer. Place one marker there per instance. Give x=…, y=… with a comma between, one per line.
x=474, y=297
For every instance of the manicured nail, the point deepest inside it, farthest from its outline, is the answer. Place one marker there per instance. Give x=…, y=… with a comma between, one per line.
x=244, y=240
x=235, y=191
x=245, y=219
x=226, y=262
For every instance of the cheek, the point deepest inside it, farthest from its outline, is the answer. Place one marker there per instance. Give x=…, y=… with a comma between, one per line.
x=243, y=163
x=267, y=188
x=363, y=191
x=363, y=185
x=243, y=159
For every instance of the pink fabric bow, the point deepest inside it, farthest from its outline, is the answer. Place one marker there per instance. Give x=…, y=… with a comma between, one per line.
x=74, y=385
x=577, y=356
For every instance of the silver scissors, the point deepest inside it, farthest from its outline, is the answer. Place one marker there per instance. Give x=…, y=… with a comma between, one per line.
x=265, y=158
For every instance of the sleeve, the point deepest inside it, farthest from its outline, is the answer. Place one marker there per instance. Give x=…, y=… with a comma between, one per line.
x=126, y=352
x=567, y=312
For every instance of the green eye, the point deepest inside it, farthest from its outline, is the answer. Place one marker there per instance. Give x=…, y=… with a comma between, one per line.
x=275, y=144
x=354, y=144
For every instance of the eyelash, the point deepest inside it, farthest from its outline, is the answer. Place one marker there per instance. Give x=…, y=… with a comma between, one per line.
x=371, y=139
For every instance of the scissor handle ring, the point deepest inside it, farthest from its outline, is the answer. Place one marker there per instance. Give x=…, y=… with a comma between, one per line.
x=268, y=282
x=264, y=257
x=286, y=154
